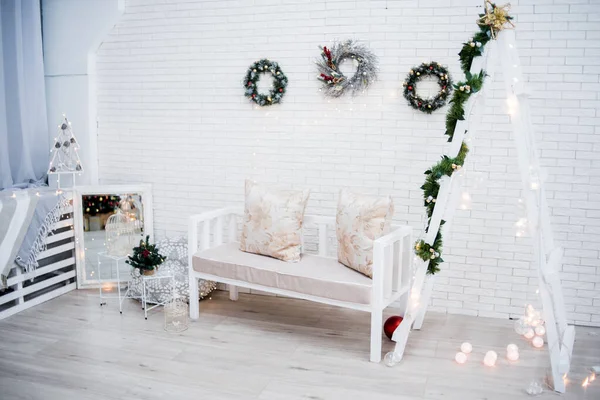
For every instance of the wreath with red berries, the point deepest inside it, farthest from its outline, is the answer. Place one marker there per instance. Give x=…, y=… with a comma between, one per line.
x=253, y=74
x=335, y=83
x=434, y=70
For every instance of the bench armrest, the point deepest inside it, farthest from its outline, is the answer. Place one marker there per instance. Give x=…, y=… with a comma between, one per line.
x=214, y=219
x=392, y=266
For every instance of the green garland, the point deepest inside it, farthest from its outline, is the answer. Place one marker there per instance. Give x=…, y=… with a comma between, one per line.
x=280, y=82
x=447, y=166
x=432, y=69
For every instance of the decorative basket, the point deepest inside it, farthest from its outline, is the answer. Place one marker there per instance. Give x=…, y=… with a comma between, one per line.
x=176, y=315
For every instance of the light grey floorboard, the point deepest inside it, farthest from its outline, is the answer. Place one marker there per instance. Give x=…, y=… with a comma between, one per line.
x=261, y=347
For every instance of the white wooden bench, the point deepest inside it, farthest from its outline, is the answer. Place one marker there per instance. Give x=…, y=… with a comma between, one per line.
x=316, y=277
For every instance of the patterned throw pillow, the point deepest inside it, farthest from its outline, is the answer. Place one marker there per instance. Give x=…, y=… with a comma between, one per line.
x=360, y=220
x=273, y=222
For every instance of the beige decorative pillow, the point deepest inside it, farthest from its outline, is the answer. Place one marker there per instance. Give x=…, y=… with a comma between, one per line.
x=273, y=222
x=360, y=220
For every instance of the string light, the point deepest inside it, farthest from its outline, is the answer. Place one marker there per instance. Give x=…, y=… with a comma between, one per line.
x=585, y=382
x=513, y=104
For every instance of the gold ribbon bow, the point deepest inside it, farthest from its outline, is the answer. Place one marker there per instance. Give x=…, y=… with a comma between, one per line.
x=496, y=17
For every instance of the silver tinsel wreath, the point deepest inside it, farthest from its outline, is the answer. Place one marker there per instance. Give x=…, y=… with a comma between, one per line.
x=335, y=83
x=159, y=290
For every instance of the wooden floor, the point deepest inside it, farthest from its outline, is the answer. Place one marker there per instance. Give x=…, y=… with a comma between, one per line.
x=261, y=347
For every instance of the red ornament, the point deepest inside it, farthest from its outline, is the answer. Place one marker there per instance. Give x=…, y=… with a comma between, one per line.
x=420, y=104
x=249, y=83
x=410, y=88
x=430, y=67
x=253, y=96
x=280, y=90
x=145, y=253
x=391, y=324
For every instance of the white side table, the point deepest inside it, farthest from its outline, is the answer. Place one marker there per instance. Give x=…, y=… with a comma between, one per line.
x=117, y=260
x=158, y=274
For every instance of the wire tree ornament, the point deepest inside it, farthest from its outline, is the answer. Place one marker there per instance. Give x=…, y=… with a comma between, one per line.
x=65, y=157
x=335, y=83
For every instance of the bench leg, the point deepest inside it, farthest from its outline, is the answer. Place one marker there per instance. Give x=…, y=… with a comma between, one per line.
x=376, y=330
x=233, y=293
x=194, y=298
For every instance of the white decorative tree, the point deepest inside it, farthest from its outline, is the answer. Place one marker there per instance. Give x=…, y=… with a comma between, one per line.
x=65, y=158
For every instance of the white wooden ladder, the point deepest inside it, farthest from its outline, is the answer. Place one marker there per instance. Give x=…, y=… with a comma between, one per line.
x=560, y=336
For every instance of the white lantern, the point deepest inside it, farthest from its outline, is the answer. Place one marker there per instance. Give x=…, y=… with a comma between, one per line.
x=120, y=235
x=176, y=315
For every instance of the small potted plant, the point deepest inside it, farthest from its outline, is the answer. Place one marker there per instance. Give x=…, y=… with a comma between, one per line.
x=145, y=257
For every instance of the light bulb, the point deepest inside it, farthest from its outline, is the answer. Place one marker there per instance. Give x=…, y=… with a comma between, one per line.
x=540, y=330
x=466, y=347
x=529, y=333
x=512, y=348
x=460, y=357
x=538, y=342
x=490, y=358
x=512, y=355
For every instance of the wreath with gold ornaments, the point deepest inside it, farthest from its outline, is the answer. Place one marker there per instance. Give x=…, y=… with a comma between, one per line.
x=252, y=77
x=430, y=104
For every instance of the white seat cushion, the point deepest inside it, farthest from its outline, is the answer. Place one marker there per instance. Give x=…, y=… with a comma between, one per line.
x=312, y=275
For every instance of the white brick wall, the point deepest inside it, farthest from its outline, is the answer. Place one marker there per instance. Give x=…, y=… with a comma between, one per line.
x=172, y=113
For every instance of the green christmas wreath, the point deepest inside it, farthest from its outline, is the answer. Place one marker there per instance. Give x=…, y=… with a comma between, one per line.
x=280, y=82
x=432, y=69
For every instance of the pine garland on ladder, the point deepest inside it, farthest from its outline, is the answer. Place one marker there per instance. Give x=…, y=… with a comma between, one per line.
x=493, y=20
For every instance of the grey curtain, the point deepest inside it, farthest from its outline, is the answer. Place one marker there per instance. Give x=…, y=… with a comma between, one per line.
x=24, y=142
